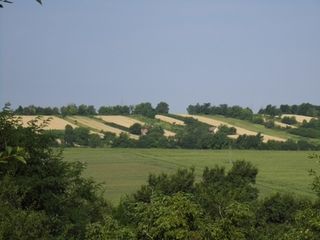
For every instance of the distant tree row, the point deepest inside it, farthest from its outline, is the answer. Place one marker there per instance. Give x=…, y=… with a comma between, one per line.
x=144, y=109
x=222, y=109
x=306, y=109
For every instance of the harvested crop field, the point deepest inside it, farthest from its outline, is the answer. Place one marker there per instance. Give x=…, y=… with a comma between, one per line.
x=283, y=125
x=168, y=133
x=96, y=125
x=240, y=130
x=55, y=123
x=170, y=120
x=299, y=118
x=120, y=120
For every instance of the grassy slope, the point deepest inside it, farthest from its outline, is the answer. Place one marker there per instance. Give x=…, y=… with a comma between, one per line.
x=80, y=124
x=124, y=170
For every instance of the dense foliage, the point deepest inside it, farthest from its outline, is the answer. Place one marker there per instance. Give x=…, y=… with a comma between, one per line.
x=42, y=196
x=308, y=129
x=289, y=120
x=306, y=109
x=144, y=109
x=222, y=109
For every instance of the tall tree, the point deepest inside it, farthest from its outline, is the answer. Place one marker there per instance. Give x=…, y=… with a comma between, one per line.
x=162, y=108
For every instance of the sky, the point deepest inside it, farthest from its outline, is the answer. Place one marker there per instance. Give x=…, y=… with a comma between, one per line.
x=109, y=52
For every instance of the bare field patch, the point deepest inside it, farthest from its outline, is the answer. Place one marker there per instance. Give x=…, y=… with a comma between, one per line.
x=170, y=120
x=299, y=118
x=95, y=124
x=168, y=133
x=283, y=125
x=55, y=123
x=120, y=120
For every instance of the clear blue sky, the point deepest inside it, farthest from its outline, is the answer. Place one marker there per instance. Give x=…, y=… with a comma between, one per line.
x=103, y=52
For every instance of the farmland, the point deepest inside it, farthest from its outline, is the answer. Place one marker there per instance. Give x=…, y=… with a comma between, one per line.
x=55, y=123
x=255, y=127
x=240, y=130
x=96, y=125
x=124, y=170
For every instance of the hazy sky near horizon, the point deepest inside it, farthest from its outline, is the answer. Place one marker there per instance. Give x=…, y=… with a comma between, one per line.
x=249, y=53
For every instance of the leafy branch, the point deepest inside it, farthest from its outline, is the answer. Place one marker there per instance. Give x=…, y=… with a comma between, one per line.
x=6, y=1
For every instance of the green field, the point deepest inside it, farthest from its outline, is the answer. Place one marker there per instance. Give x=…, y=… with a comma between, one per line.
x=124, y=170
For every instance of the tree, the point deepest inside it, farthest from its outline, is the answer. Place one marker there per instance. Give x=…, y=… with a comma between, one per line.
x=144, y=109
x=6, y=1
x=94, y=140
x=135, y=129
x=81, y=136
x=289, y=120
x=162, y=108
x=170, y=217
x=69, y=137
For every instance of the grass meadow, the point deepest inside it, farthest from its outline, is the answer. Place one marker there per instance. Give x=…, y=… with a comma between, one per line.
x=123, y=171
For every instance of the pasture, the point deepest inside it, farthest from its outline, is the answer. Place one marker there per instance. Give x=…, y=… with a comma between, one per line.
x=124, y=170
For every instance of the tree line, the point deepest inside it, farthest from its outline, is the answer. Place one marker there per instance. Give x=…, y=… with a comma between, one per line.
x=246, y=113
x=145, y=109
x=44, y=197
x=222, y=109
x=306, y=109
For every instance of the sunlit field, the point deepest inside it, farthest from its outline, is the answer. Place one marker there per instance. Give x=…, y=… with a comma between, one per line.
x=124, y=170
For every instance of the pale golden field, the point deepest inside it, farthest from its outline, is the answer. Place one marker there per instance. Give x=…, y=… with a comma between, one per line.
x=283, y=125
x=120, y=120
x=55, y=123
x=96, y=125
x=170, y=120
x=168, y=133
x=299, y=118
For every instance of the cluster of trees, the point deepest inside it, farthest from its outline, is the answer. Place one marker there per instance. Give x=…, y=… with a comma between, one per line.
x=71, y=109
x=44, y=197
x=222, y=109
x=144, y=109
x=306, y=109
x=82, y=137
x=222, y=205
x=115, y=110
x=34, y=110
x=289, y=120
